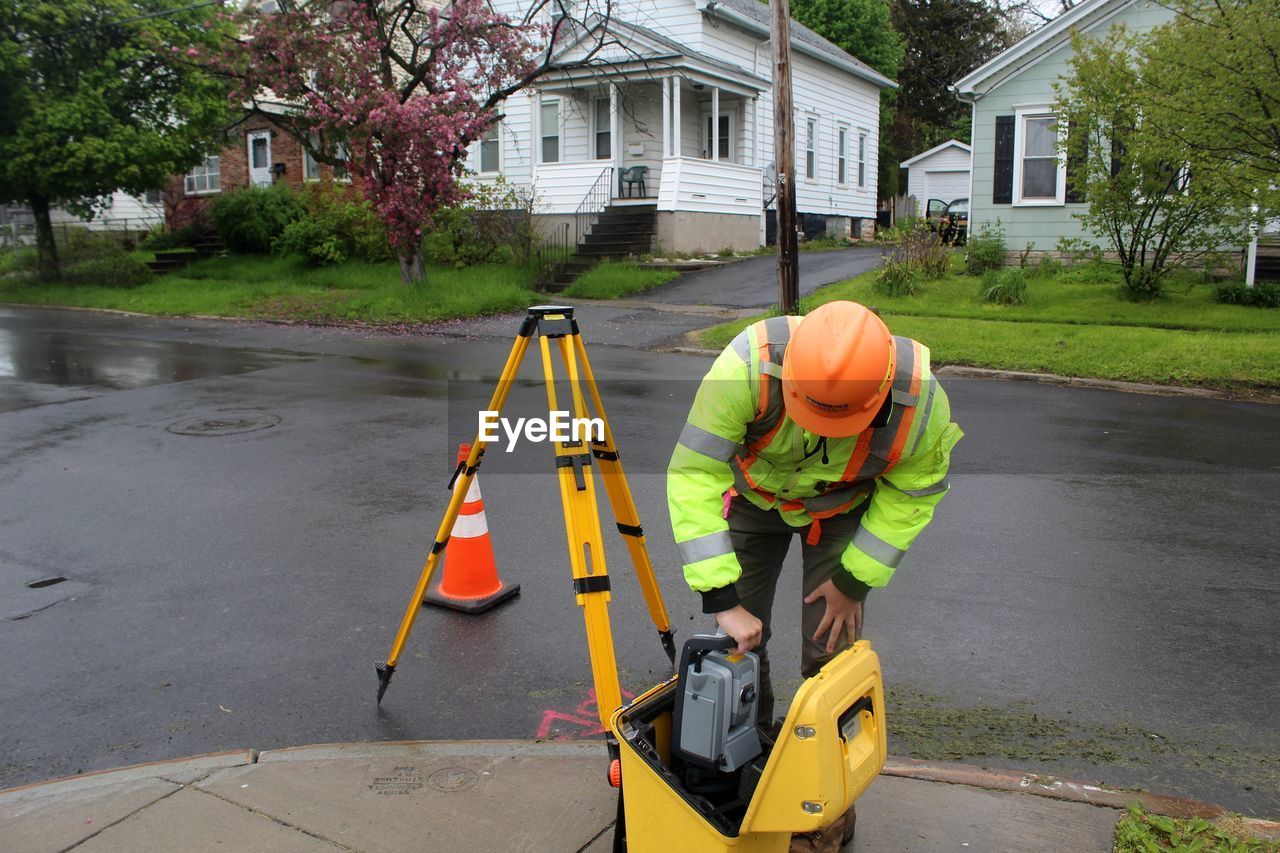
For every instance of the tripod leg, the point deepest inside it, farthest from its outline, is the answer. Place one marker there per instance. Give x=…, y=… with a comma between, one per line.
x=624, y=510
x=586, y=547
x=462, y=484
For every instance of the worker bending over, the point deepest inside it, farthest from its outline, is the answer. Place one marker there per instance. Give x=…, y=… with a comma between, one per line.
x=827, y=426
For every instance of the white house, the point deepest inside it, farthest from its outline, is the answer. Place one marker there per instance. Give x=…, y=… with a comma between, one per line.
x=647, y=100
x=1019, y=176
x=942, y=172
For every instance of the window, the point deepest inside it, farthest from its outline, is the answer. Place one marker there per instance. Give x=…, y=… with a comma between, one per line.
x=842, y=156
x=1040, y=173
x=810, y=148
x=204, y=178
x=549, y=121
x=340, y=171
x=604, y=137
x=153, y=196
x=490, y=150
x=310, y=165
x=862, y=159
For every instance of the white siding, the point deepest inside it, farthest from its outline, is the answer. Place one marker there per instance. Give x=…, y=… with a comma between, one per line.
x=126, y=213
x=835, y=96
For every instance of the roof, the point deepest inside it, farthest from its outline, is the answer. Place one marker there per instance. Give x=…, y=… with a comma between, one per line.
x=1030, y=48
x=802, y=38
x=660, y=49
x=935, y=149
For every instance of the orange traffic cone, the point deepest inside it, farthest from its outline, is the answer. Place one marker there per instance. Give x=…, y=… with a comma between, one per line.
x=469, y=576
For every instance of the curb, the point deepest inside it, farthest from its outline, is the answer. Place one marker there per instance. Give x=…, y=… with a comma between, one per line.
x=967, y=372
x=1107, y=384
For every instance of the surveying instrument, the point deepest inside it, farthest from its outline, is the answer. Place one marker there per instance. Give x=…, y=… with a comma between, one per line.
x=699, y=774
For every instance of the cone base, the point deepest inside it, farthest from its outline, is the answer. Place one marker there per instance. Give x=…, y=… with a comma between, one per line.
x=471, y=605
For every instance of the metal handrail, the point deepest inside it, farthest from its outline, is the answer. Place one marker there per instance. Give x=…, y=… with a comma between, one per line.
x=595, y=201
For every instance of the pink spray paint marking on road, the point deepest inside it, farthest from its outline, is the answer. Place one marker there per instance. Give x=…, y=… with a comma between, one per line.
x=583, y=721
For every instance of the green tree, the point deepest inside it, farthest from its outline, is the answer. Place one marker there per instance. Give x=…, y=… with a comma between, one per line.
x=1213, y=76
x=1150, y=199
x=99, y=96
x=862, y=28
x=943, y=40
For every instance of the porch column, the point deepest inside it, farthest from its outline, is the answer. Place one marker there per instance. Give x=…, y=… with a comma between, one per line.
x=535, y=123
x=666, y=117
x=615, y=131
x=676, y=147
x=749, y=120
x=715, y=123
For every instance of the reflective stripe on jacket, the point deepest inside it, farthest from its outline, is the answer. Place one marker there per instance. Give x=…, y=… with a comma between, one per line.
x=739, y=438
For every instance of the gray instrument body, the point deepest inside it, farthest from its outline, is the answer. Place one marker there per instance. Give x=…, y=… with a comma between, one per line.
x=716, y=706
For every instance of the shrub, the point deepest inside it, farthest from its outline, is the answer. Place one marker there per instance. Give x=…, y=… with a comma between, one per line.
x=117, y=269
x=1004, y=286
x=336, y=226
x=19, y=259
x=252, y=219
x=922, y=250
x=896, y=232
x=986, y=249
x=1048, y=267
x=83, y=244
x=1263, y=294
x=461, y=237
x=179, y=238
x=1093, y=272
x=896, y=278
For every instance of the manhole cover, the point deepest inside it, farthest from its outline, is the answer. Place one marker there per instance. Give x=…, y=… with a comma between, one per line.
x=224, y=423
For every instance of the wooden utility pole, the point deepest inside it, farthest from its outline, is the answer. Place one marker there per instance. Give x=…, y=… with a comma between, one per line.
x=784, y=156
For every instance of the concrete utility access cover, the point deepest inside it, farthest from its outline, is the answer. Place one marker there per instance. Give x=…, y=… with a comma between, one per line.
x=228, y=422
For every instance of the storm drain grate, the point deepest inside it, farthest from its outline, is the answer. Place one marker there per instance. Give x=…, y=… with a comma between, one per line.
x=43, y=582
x=224, y=423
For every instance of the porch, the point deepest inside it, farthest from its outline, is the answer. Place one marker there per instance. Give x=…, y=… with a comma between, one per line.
x=601, y=142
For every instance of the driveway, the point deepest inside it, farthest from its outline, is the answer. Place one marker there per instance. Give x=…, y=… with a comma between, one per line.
x=753, y=283
x=239, y=513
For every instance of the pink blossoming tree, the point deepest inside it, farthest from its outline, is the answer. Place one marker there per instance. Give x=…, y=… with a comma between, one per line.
x=395, y=90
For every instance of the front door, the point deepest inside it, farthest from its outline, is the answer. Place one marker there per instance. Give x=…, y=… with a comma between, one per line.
x=260, y=158
x=724, y=139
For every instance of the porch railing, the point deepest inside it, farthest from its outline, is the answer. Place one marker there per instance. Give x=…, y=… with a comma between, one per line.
x=593, y=203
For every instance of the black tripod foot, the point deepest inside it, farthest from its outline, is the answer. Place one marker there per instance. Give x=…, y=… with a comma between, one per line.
x=385, y=671
x=669, y=644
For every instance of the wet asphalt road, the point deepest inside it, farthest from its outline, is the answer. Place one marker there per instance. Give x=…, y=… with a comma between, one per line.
x=753, y=283
x=1103, y=557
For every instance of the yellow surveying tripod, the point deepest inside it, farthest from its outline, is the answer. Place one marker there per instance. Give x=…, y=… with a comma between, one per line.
x=555, y=323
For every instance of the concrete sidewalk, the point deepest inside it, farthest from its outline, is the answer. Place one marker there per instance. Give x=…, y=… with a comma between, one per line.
x=466, y=796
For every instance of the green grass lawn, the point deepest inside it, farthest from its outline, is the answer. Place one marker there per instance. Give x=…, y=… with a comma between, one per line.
x=286, y=288
x=614, y=279
x=1077, y=329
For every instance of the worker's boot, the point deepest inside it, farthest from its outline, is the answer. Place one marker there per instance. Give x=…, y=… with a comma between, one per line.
x=830, y=840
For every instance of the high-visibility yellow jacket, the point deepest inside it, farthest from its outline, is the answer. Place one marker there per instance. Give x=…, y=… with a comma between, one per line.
x=738, y=437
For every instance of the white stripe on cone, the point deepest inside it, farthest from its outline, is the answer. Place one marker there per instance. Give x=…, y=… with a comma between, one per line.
x=470, y=526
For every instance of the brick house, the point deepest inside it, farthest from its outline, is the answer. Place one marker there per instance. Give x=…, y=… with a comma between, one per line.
x=257, y=153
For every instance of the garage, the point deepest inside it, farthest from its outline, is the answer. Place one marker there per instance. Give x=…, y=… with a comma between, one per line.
x=942, y=172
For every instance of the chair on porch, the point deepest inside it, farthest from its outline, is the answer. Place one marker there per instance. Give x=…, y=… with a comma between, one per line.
x=629, y=176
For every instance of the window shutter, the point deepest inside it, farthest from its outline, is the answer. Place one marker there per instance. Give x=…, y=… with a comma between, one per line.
x=1077, y=161
x=1002, y=185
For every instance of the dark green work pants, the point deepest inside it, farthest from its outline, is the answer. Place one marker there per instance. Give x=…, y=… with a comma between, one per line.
x=761, y=539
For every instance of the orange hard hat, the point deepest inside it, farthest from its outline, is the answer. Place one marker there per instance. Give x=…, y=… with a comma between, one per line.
x=838, y=369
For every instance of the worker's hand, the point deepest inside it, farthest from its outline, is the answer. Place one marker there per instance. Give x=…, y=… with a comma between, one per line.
x=740, y=624
x=843, y=614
